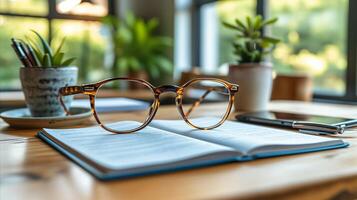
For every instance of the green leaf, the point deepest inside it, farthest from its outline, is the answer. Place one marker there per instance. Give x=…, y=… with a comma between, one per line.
x=122, y=65
x=130, y=19
x=140, y=31
x=60, y=46
x=249, y=23
x=134, y=64
x=46, y=60
x=46, y=47
x=152, y=69
x=163, y=64
x=231, y=26
x=250, y=45
x=258, y=22
x=271, y=40
x=138, y=48
x=255, y=34
x=57, y=59
x=269, y=21
x=39, y=56
x=240, y=23
x=239, y=36
x=36, y=49
x=67, y=62
x=152, y=24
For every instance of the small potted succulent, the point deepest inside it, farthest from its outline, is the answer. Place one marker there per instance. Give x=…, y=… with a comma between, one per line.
x=45, y=70
x=252, y=72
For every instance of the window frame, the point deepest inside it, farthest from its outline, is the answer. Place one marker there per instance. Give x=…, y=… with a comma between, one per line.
x=350, y=94
x=53, y=14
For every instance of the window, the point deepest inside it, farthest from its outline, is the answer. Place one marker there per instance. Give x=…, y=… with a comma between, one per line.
x=29, y=7
x=216, y=40
x=182, y=53
x=77, y=20
x=80, y=7
x=317, y=38
x=313, y=41
x=84, y=40
x=10, y=65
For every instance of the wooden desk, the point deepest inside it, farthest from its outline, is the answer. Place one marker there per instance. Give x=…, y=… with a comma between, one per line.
x=30, y=169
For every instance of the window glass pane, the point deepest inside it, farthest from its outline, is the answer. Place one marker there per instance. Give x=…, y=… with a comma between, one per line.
x=216, y=40
x=9, y=64
x=36, y=7
x=80, y=7
x=85, y=41
x=182, y=43
x=314, y=41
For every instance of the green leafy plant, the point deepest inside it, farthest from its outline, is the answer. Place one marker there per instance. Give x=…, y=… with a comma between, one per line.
x=138, y=48
x=46, y=55
x=250, y=45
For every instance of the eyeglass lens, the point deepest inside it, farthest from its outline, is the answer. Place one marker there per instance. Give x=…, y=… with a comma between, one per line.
x=196, y=99
x=133, y=109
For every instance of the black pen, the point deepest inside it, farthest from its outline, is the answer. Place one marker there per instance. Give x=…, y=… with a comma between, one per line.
x=20, y=54
x=27, y=54
x=318, y=128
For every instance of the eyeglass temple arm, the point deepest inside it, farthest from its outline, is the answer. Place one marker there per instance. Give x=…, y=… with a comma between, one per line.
x=198, y=102
x=71, y=90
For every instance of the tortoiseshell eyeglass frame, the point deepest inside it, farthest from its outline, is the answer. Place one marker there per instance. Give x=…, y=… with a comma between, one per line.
x=91, y=91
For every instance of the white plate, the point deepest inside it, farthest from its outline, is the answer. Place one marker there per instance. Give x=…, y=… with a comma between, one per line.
x=21, y=118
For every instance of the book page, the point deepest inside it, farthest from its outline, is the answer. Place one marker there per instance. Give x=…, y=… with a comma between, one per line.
x=147, y=147
x=246, y=138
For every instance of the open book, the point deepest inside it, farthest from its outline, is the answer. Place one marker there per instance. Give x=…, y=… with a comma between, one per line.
x=168, y=145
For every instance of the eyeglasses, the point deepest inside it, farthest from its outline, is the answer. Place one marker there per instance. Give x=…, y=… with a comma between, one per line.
x=190, y=100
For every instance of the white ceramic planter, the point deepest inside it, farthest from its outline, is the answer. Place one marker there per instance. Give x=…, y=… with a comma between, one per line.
x=255, y=85
x=40, y=86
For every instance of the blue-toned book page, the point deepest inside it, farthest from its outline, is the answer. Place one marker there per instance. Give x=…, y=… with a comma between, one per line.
x=251, y=139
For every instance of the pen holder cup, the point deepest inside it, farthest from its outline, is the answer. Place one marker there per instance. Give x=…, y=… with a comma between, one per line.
x=41, y=85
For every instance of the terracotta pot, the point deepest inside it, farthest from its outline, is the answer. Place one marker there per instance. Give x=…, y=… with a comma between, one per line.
x=40, y=86
x=255, y=85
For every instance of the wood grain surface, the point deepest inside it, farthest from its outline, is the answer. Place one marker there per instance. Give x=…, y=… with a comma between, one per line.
x=30, y=169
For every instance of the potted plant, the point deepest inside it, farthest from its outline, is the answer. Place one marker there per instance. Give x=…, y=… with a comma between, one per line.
x=46, y=73
x=138, y=51
x=251, y=72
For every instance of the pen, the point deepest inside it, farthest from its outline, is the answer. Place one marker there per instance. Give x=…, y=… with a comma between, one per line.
x=312, y=127
x=20, y=54
x=27, y=54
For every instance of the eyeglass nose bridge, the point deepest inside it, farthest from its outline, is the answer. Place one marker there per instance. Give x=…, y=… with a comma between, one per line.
x=167, y=88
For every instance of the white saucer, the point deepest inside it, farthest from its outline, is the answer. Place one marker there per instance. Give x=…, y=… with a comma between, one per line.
x=21, y=118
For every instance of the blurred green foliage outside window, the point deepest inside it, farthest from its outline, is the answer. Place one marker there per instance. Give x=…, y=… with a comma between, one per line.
x=84, y=39
x=313, y=34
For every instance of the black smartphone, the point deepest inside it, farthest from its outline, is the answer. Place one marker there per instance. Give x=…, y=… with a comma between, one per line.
x=287, y=119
